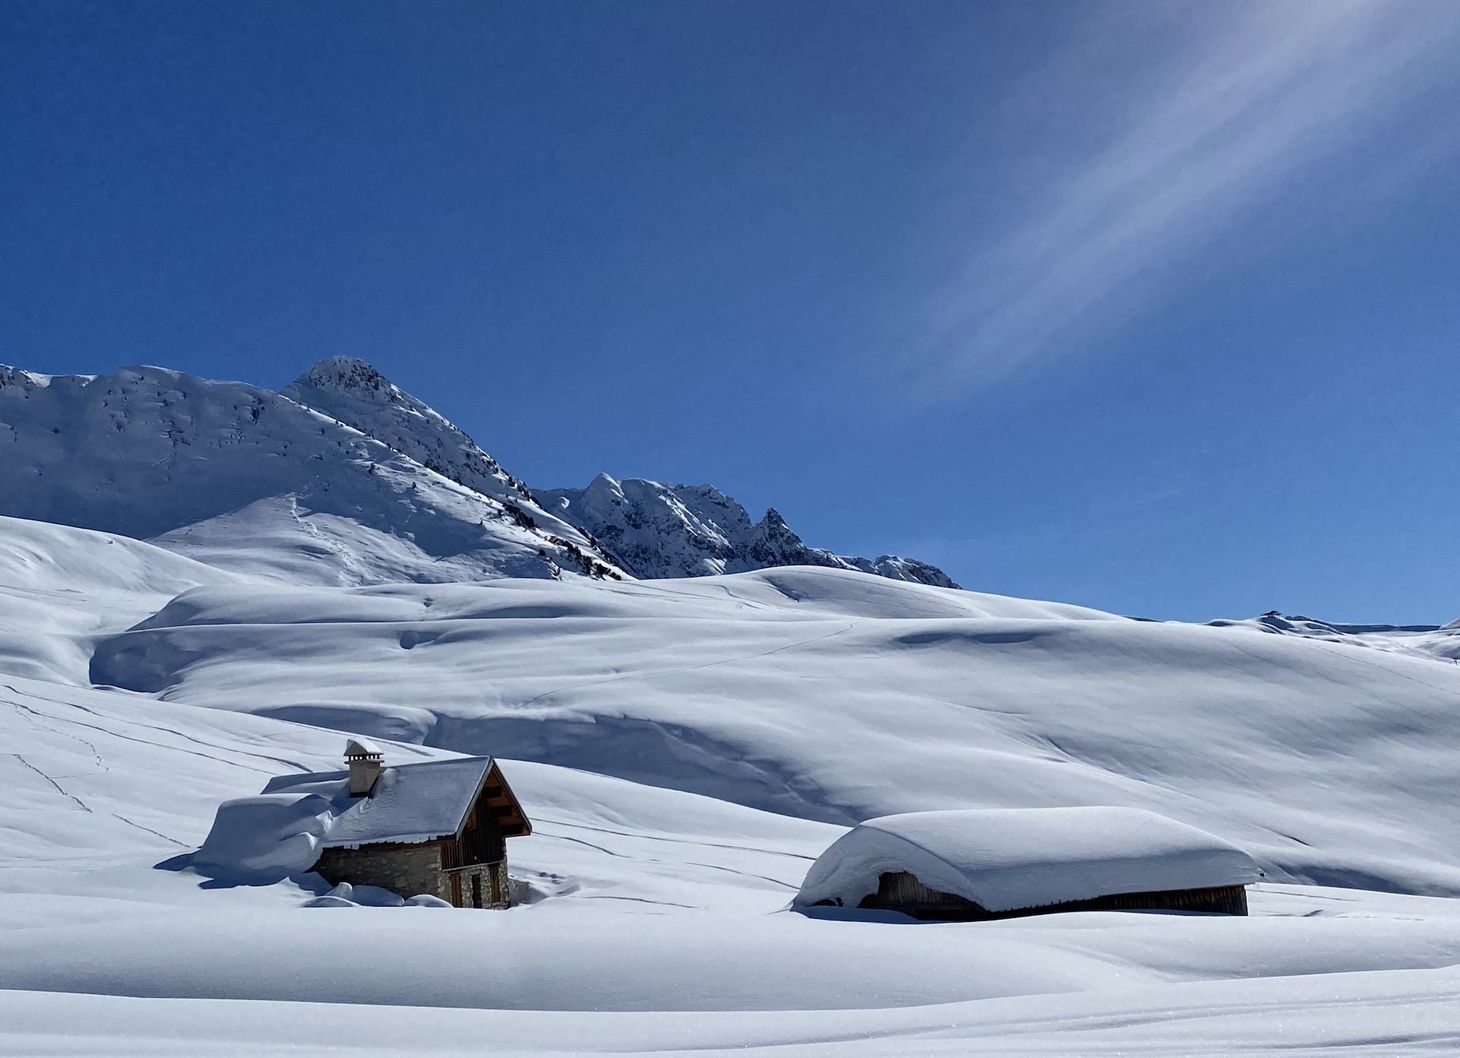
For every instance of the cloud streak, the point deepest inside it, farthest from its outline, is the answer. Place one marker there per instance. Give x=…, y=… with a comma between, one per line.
x=1252, y=97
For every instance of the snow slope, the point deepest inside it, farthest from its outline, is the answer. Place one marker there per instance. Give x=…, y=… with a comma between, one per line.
x=828, y=695
x=60, y=586
x=656, y=919
x=359, y=396
x=649, y=902
x=1426, y=641
x=1414, y=1013
x=252, y=481
x=657, y=530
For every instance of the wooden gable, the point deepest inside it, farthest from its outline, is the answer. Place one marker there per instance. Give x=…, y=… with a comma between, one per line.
x=494, y=816
x=498, y=804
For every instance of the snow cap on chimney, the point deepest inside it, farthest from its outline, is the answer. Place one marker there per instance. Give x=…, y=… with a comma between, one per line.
x=364, y=758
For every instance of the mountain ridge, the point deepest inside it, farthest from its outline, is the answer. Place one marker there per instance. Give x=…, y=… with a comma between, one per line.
x=247, y=479
x=341, y=477
x=659, y=530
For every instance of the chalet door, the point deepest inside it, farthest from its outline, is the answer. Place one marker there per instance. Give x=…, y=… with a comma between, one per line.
x=499, y=898
x=476, y=889
x=456, y=889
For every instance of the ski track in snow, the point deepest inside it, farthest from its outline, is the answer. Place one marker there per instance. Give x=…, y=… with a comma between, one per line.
x=161, y=745
x=296, y=765
x=33, y=716
x=149, y=830
x=80, y=804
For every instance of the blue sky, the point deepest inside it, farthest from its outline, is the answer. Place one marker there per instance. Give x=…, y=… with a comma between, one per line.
x=1151, y=307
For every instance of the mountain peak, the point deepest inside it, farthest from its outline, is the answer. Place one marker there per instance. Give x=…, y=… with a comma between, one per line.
x=349, y=374
x=349, y=479
x=364, y=480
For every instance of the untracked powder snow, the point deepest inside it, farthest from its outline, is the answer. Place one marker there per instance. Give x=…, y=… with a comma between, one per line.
x=246, y=582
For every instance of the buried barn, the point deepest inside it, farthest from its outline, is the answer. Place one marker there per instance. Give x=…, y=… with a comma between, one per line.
x=437, y=828
x=1005, y=863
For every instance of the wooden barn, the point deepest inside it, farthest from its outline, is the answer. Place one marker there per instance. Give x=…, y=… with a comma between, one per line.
x=434, y=827
x=1004, y=863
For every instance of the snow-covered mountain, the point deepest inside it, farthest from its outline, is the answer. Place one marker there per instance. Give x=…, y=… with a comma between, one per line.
x=358, y=395
x=357, y=480
x=658, y=530
x=370, y=486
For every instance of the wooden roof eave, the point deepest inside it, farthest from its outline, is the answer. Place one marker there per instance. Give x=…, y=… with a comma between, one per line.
x=520, y=827
x=526, y=824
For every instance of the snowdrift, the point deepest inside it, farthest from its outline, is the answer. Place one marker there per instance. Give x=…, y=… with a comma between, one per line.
x=265, y=838
x=60, y=587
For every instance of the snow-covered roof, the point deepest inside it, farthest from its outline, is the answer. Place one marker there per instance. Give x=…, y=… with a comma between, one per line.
x=1006, y=859
x=409, y=802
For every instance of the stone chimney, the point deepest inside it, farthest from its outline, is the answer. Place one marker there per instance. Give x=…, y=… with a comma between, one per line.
x=364, y=759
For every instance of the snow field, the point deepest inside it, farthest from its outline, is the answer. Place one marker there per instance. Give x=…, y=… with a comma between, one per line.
x=656, y=917
x=784, y=690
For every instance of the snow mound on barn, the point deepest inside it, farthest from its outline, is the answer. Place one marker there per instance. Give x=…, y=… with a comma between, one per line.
x=1008, y=858
x=265, y=838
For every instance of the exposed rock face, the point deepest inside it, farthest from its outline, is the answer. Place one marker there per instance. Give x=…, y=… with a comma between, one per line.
x=659, y=530
x=358, y=395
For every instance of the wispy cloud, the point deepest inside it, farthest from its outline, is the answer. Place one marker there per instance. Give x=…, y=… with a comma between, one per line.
x=1251, y=97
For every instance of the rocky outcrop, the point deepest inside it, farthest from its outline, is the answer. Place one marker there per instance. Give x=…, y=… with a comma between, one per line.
x=657, y=530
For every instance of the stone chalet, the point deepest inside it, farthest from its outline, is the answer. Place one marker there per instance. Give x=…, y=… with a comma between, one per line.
x=437, y=827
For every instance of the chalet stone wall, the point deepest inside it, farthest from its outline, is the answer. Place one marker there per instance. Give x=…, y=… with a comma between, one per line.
x=408, y=870
x=494, y=885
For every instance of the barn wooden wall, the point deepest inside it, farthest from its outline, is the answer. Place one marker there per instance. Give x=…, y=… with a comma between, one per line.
x=903, y=891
